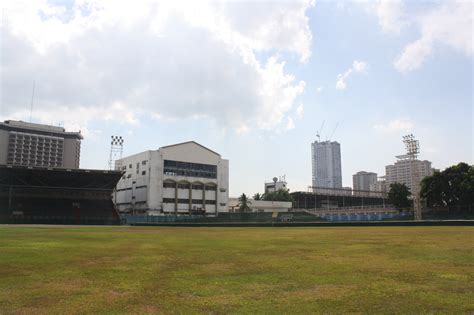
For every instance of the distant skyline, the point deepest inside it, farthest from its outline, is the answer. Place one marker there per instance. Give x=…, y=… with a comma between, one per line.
x=252, y=81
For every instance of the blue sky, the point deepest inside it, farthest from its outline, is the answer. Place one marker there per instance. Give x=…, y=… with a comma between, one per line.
x=252, y=81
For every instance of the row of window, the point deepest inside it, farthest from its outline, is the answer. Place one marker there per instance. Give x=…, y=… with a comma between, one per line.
x=178, y=168
x=186, y=186
x=186, y=201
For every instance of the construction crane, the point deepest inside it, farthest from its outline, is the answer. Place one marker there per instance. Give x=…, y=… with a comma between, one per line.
x=318, y=133
x=334, y=130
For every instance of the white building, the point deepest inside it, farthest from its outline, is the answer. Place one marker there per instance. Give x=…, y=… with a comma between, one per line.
x=400, y=172
x=176, y=179
x=261, y=205
x=326, y=164
x=275, y=185
x=30, y=144
x=362, y=181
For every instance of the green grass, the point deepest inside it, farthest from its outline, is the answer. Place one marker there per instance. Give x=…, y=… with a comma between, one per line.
x=47, y=270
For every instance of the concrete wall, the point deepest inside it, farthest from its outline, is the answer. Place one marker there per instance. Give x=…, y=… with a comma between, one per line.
x=3, y=146
x=261, y=205
x=71, y=153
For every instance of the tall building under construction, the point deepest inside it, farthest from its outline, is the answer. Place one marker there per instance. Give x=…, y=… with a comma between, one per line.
x=326, y=164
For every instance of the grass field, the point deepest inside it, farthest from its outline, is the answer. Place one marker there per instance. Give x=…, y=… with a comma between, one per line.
x=46, y=270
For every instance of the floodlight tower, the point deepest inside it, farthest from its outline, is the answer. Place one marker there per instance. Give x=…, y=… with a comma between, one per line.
x=413, y=148
x=116, y=150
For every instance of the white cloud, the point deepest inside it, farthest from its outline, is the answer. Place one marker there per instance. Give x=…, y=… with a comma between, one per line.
x=357, y=66
x=290, y=124
x=167, y=60
x=396, y=125
x=391, y=15
x=319, y=89
x=300, y=111
x=448, y=24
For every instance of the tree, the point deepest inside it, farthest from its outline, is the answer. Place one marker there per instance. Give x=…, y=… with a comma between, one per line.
x=279, y=195
x=398, y=195
x=452, y=187
x=257, y=196
x=244, y=203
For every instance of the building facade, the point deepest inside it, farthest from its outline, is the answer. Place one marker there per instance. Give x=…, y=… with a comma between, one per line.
x=29, y=144
x=363, y=180
x=176, y=179
x=380, y=186
x=401, y=171
x=275, y=185
x=326, y=164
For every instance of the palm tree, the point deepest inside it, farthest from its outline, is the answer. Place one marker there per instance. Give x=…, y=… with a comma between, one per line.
x=244, y=203
x=257, y=196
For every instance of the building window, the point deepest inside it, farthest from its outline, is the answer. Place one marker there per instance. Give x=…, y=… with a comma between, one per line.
x=169, y=185
x=183, y=186
x=143, y=172
x=129, y=175
x=197, y=201
x=185, y=201
x=198, y=186
x=130, y=166
x=211, y=187
x=187, y=169
x=222, y=190
x=143, y=162
x=168, y=200
x=210, y=202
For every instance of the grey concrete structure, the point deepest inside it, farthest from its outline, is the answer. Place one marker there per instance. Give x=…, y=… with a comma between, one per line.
x=326, y=164
x=30, y=144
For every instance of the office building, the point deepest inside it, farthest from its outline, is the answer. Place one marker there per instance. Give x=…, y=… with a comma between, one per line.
x=29, y=144
x=184, y=178
x=400, y=172
x=326, y=165
x=363, y=180
x=379, y=187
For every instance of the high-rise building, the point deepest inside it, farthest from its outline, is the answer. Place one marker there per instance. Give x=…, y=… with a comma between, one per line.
x=29, y=144
x=362, y=180
x=401, y=171
x=326, y=164
x=379, y=187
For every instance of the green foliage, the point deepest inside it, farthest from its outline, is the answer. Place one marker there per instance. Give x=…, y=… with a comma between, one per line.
x=257, y=196
x=279, y=195
x=244, y=203
x=398, y=195
x=452, y=187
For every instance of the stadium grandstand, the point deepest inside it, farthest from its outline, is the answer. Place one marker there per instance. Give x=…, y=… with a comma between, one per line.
x=57, y=195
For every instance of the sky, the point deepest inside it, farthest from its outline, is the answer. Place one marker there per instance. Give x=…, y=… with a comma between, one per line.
x=254, y=81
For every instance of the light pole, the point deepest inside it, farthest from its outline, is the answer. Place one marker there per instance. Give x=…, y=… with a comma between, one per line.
x=413, y=148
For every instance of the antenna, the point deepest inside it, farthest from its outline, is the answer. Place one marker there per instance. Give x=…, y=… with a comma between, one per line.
x=337, y=124
x=116, y=150
x=32, y=97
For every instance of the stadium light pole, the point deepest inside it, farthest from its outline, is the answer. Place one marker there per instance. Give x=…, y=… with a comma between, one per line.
x=413, y=149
